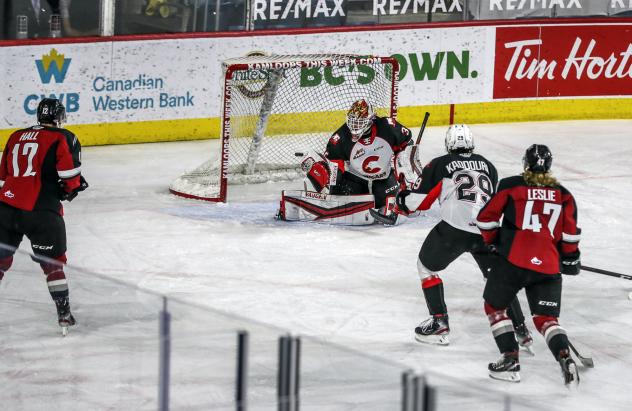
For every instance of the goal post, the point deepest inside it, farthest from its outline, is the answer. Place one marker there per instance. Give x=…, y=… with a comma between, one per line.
x=276, y=106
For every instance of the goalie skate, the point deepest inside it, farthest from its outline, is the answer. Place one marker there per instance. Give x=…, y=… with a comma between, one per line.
x=507, y=368
x=434, y=330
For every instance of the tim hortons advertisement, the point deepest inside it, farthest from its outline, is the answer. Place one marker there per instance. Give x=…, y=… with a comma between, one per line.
x=563, y=61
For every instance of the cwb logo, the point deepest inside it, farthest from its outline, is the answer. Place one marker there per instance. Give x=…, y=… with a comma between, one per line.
x=52, y=66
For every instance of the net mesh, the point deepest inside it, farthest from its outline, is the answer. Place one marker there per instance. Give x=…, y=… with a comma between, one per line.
x=279, y=106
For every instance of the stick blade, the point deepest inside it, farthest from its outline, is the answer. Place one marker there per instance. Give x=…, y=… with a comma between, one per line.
x=381, y=218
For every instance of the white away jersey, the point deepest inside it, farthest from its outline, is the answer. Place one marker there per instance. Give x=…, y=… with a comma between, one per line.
x=467, y=183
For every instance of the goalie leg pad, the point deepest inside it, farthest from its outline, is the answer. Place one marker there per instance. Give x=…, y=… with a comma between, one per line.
x=298, y=205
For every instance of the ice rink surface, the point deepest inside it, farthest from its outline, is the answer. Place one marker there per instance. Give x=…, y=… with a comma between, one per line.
x=355, y=286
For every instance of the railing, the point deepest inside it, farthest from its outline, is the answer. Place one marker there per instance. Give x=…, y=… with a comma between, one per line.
x=136, y=349
x=122, y=17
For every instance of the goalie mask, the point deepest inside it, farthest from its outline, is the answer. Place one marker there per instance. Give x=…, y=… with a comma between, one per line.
x=537, y=159
x=360, y=118
x=459, y=139
x=51, y=111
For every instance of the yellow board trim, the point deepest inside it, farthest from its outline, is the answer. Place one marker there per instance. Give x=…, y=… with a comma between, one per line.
x=492, y=112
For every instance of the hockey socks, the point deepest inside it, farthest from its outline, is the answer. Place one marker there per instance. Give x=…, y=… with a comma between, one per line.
x=502, y=329
x=432, y=287
x=555, y=336
x=55, y=278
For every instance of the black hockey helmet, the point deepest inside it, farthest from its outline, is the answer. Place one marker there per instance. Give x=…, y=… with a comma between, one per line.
x=537, y=159
x=51, y=111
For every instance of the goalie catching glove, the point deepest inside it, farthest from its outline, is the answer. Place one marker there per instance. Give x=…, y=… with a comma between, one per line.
x=316, y=168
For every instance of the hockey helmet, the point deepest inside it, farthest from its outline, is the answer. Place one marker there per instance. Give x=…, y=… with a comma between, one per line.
x=51, y=111
x=360, y=118
x=459, y=139
x=537, y=159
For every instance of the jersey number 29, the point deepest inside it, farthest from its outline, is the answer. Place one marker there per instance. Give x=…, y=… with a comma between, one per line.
x=467, y=184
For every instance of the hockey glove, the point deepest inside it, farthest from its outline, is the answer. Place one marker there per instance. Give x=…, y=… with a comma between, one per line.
x=66, y=196
x=400, y=200
x=571, y=263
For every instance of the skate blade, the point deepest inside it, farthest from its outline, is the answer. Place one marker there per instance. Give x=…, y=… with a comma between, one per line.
x=433, y=339
x=64, y=330
x=574, y=374
x=528, y=350
x=511, y=376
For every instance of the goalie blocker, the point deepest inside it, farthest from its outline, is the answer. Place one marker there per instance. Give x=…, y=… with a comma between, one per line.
x=299, y=205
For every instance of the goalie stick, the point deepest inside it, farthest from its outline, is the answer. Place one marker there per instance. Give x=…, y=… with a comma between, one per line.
x=413, y=151
x=606, y=272
x=586, y=361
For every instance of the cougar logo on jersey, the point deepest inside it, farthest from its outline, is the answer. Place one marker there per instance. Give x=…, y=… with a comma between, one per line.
x=367, y=167
x=371, y=160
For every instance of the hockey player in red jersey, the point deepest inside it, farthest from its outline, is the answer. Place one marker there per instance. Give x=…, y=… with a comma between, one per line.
x=40, y=166
x=463, y=181
x=537, y=239
x=359, y=156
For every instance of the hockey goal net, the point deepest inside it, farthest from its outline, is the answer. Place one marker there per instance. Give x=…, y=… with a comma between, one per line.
x=274, y=107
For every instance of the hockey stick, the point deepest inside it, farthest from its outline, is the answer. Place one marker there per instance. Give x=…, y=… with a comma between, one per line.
x=413, y=151
x=586, y=361
x=606, y=272
x=384, y=219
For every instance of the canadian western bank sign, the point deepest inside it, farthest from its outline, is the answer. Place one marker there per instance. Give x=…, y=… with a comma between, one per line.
x=52, y=68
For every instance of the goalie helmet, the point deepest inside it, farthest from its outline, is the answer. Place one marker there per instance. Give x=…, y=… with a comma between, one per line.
x=360, y=118
x=459, y=139
x=51, y=111
x=537, y=159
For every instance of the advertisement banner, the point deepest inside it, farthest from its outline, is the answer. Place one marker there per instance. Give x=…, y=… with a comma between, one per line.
x=174, y=79
x=563, y=61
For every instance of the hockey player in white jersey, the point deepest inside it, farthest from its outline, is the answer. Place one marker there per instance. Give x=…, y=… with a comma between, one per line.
x=463, y=182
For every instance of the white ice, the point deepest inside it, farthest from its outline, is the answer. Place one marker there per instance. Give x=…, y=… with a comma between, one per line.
x=356, y=287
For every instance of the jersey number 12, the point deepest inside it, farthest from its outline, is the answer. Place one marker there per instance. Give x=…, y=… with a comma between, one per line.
x=29, y=150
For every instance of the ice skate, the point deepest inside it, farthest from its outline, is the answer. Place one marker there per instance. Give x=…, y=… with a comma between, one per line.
x=64, y=316
x=525, y=341
x=569, y=369
x=507, y=368
x=434, y=330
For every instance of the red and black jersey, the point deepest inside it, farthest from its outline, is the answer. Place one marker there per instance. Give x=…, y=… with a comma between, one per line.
x=371, y=156
x=538, y=224
x=34, y=162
